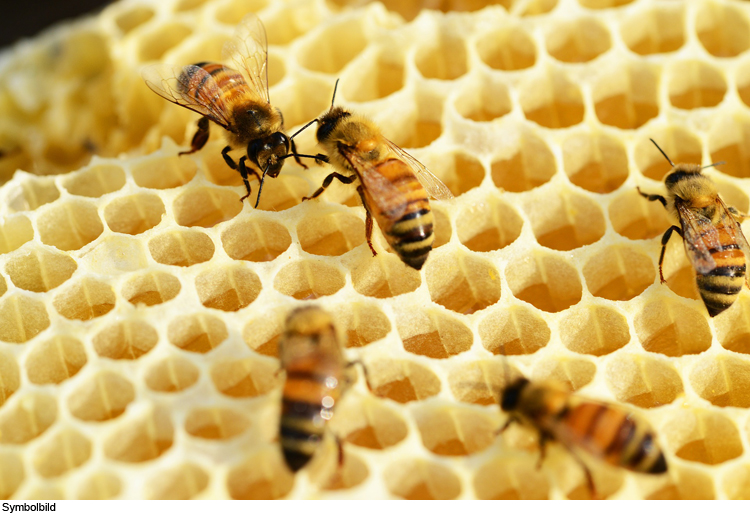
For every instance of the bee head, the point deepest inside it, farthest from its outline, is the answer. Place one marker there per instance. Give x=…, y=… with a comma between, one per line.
x=512, y=394
x=328, y=122
x=268, y=153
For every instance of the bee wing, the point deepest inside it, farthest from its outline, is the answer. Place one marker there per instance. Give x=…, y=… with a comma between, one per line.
x=698, y=234
x=434, y=187
x=247, y=52
x=734, y=229
x=175, y=84
x=386, y=196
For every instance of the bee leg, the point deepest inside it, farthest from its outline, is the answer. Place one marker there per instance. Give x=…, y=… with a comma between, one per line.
x=653, y=197
x=296, y=155
x=368, y=221
x=244, y=173
x=543, y=438
x=199, y=138
x=736, y=214
x=587, y=473
x=664, y=240
x=351, y=364
x=327, y=182
x=507, y=424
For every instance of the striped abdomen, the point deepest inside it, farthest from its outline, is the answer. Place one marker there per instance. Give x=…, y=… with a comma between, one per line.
x=720, y=287
x=405, y=217
x=230, y=85
x=611, y=434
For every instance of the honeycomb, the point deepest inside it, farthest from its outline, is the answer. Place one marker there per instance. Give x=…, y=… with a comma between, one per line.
x=141, y=302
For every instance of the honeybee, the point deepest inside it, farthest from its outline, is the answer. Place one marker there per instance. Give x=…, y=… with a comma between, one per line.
x=606, y=431
x=713, y=238
x=235, y=98
x=311, y=354
x=392, y=183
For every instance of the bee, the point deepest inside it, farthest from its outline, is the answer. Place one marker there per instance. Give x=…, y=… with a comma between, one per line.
x=311, y=354
x=713, y=238
x=235, y=98
x=393, y=185
x=606, y=431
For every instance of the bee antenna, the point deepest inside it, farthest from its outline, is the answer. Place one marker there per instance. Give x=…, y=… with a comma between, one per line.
x=304, y=127
x=714, y=165
x=664, y=153
x=335, y=87
x=260, y=187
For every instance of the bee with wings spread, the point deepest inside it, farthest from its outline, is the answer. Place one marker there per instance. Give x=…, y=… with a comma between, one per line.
x=714, y=242
x=234, y=97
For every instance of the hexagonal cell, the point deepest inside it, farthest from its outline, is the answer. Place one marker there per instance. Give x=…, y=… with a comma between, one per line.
x=489, y=101
x=643, y=381
x=15, y=231
x=10, y=377
x=331, y=234
x=594, y=330
x=459, y=170
x=488, y=225
x=571, y=372
x=40, y=269
x=205, y=206
x=231, y=12
x=401, y=381
x=544, y=280
x=687, y=484
x=228, y=288
x=636, y=218
x=481, y=382
x=67, y=450
x=280, y=194
x=85, y=299
x=419, y=479
x=95, y=181
x=733, y=328
x=11, y=474
x=455, y=431
x=513, y=331
x=441, y=225
x=288, y=23
x=619, y=273
x=360, y=323
x=626, y=96
x=671, y=328
x=21, y=318
x=178, y=483
x=211, y=423
x=656, y=29
x=36, y=191
x=103, y=485
x=131, y=17
x=678, y=272
x=462, y=282
x=351, y=473
x=552, y=100
x=384, y=276
x=510, y=479
x=727, y=140
x=368, y=422
x=578, y=40
x=70, y=224
x=102, y=396
x=125, y=340
x=255, y=240
x=723, y=29
x=164, y=172
x=564, y=220
x=736, y=482
x=524, y=163
x=139, y=440
x=444, y=59
x=681, y=145
x=55, y=360
x=723, y=380
x=595, y=162
x=507, y=48
x=151, y=288
x=308, y=279
x=335, y=47
x=379, y=75
x=262, y=333
x=181, y=248
x=134, y=214
x=153, y=45
x=31, y=415
x=695, y=84
x=198, y=332
x=701, y=435
x=432, y=333
x=244, y=378
x=173, y=374
x=261, y=476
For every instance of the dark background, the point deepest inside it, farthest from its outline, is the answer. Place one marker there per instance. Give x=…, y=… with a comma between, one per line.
x=26, y=18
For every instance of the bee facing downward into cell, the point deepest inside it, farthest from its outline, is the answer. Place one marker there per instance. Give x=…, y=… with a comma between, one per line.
x=605, y=431
x=393, y=185
x=713, y=238
x=235, y=98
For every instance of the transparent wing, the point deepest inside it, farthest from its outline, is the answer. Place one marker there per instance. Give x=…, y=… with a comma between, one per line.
x=189, y=86
x=698, y=234
x=733, y=229
x=247, y=52
x=434, y=187
x=387, y=197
